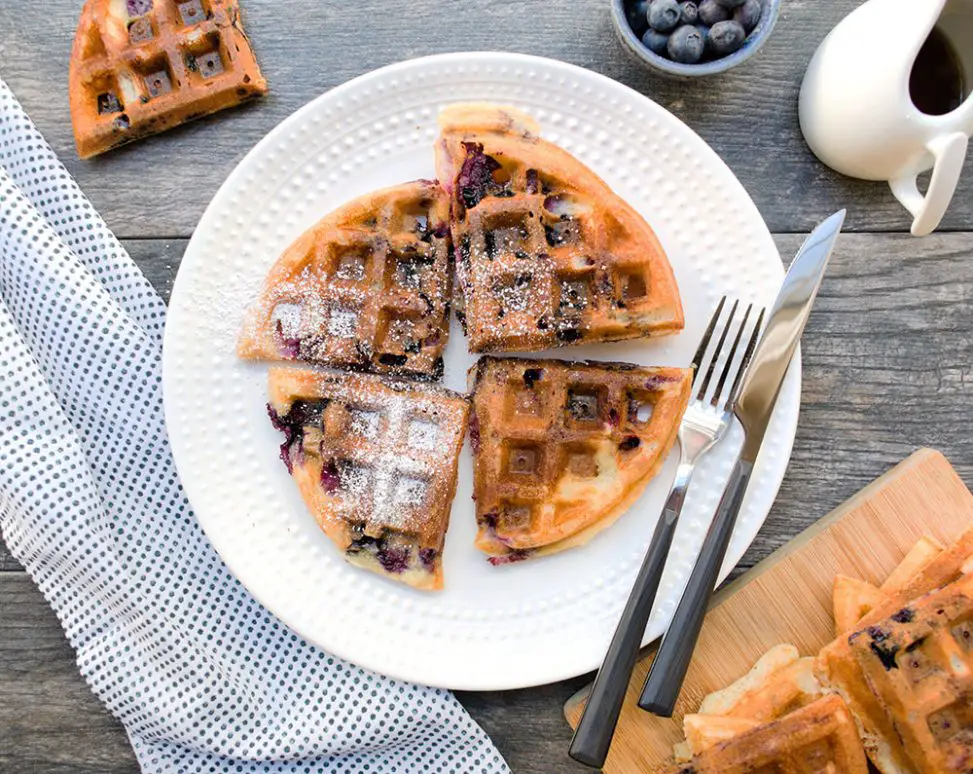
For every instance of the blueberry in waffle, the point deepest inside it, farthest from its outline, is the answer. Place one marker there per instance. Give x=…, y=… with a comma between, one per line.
x=561, y=449
x=819, y=738
x=547, y=253
x=142, y=66
x=366, y=288
x=375, y=461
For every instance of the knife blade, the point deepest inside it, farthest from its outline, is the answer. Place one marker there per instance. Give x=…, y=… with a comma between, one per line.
x=754, y=406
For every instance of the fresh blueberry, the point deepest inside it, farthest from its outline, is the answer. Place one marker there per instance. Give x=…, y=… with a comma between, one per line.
x=637, y=13
x=690, y=12
x=710, y=12
x=656, y=42
x=704, y=34
x=726, y=37
x=731, y=4
x=686, y=45
x=664, y=15
x=748, y=14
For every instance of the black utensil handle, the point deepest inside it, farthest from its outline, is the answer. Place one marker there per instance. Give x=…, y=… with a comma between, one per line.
x=593, y=736
x=668, y=670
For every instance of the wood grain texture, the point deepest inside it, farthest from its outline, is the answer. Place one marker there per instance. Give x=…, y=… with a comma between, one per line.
x=787, y=598
x=50, y=722
x=159, y=187
x=888, y=367
x=887, y=354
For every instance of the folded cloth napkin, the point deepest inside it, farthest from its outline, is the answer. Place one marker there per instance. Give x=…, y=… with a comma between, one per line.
x=203, y=678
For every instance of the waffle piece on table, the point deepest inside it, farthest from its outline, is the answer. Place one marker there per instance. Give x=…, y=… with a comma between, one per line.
x=820, y=738
x=366, y=288
x=562, y=449
x=909, y=679
x=547, y=253
x=142, y=66
x=375, y=461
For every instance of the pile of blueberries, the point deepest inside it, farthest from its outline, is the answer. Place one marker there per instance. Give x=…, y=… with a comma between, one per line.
x=688, y=31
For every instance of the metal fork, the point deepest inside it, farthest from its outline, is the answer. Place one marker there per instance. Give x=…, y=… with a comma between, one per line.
x=706, y=421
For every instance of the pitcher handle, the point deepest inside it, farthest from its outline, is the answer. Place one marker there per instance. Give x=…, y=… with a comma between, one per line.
x=949, y=152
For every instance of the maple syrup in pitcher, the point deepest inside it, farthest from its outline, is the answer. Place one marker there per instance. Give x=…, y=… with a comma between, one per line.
x=937, y=85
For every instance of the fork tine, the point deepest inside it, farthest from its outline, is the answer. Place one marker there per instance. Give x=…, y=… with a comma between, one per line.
x=730, y=358
x=704, y=387
x=704, y=342
x=747, y=355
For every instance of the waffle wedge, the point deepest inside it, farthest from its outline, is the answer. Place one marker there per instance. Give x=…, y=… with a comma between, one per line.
x=142, y=66
x=375, y=461
x=366, y=288
x=819, y=738
x=547, y=253
x=562, y=449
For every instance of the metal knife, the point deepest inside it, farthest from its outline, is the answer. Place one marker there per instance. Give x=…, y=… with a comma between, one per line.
x=754, y=406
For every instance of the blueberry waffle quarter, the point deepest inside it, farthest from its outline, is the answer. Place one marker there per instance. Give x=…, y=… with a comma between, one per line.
x=562, y=449
x=909, y=679
x=820, y=738
x=375, y=461
x=366, y=288
x=142, y=66
x=547, y=253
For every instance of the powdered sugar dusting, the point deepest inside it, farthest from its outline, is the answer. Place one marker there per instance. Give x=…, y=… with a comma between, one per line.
x=423, y=434
x=396, y=454
x=368, y=290
x=410, y=492
x=343, y=323
x=365, y=423
x=288, y=316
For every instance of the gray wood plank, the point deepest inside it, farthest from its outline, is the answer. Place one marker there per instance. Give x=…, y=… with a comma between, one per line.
x=160, y=187
x=887, y=359
x=50, y=722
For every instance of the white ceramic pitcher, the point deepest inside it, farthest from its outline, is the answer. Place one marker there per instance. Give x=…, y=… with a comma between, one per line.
x=857, y=113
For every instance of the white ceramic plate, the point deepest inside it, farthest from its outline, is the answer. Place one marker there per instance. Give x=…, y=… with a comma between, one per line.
x=493, y=627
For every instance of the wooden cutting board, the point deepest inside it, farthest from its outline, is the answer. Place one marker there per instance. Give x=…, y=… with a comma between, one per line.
x=787, y=597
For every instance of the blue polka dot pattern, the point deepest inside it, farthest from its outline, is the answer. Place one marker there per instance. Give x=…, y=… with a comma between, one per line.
x=203, y=678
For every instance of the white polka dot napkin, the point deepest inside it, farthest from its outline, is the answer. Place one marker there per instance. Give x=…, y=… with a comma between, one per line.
x=202, y=677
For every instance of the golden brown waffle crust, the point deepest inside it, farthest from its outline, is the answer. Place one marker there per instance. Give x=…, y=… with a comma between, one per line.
x=346, y=518
x=308, y=275
x=821, y=732
x=587, y=473
x=105, y=59
x=902, y=675
x=616, y=251
x=839, y=669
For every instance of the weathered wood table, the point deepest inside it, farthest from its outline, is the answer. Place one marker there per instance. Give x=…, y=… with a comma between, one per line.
x=888, y=354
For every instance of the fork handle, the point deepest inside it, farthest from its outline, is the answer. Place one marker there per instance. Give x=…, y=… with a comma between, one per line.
x=593, y=736
x=668, y=670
